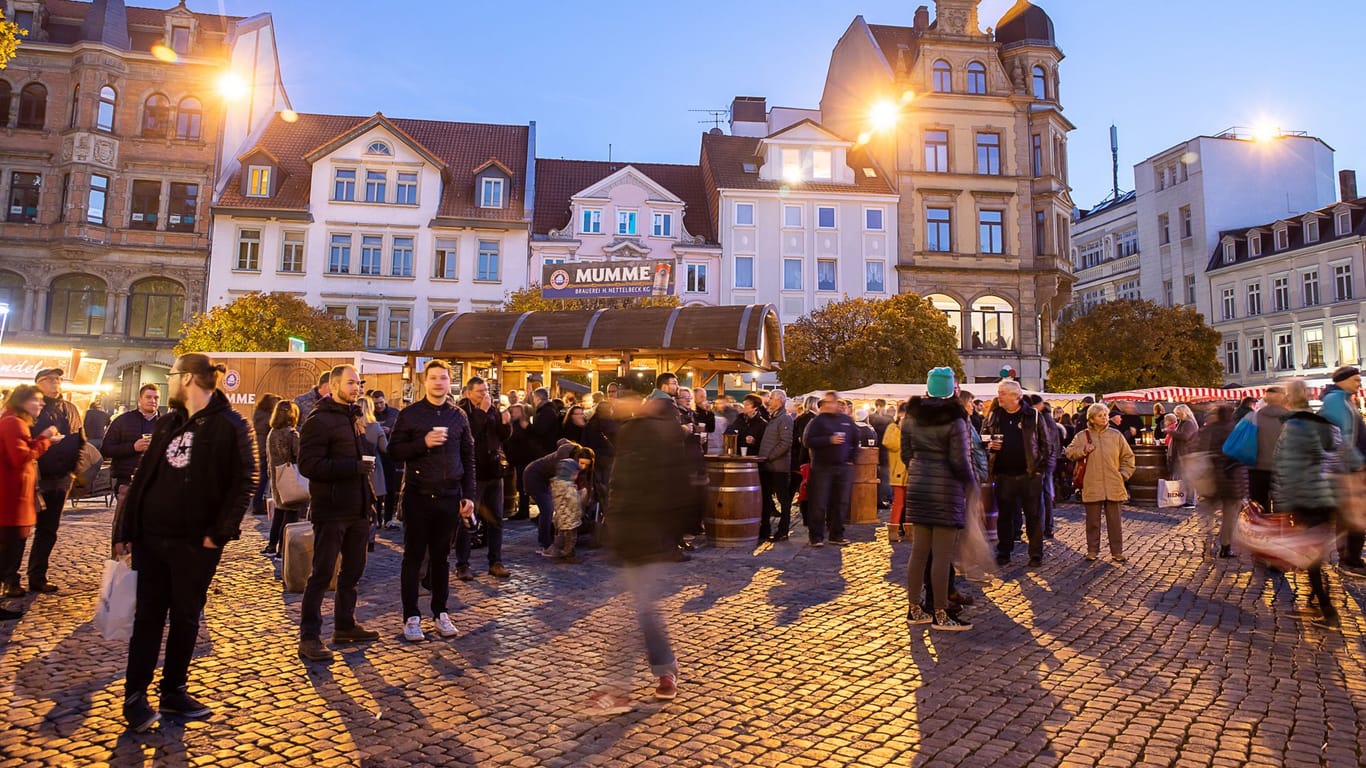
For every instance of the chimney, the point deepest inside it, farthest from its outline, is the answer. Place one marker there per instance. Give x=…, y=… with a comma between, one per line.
x=922, y=18
x=749, y=116
x=1347, y=185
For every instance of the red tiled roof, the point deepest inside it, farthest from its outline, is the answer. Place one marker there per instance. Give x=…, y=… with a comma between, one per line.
x=461, y=146
x=724, y=157
x=559, y=180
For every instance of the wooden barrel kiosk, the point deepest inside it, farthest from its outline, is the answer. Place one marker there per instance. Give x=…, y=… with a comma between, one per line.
x=863, y=501
x=1150, y=465
x=733, y=502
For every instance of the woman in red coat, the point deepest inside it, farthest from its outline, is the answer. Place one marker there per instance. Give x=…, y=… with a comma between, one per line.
x=19, y=452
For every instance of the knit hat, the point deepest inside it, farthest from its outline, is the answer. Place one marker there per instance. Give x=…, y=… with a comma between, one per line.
x=940, y=382
x=1344, y=373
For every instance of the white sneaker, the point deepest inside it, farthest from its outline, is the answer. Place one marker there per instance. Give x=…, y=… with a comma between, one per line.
x=412, y=630
x=444, y=625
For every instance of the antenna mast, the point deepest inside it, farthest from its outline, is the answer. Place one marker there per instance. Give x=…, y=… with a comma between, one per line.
x=1114, y=159
x=717, y=116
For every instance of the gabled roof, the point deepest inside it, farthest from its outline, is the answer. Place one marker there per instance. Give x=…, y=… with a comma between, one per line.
x=460, y=147
x=1328, y=232
x=803, y=122
x=890, y=40
x=558, y=181
x=377, y=120
x=492, y=162
x=143, y=26
x=724, y=158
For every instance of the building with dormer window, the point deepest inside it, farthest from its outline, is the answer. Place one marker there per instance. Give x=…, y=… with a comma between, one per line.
x=386, y=222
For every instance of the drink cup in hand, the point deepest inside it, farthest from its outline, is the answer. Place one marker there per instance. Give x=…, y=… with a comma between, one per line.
x=437, y=436
x=367, y=465
x=838, y=438
x=996, y=442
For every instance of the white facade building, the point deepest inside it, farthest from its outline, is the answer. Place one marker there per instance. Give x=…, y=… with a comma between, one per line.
x=1105, y=253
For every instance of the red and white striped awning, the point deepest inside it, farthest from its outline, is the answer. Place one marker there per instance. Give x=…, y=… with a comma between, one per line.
x=1192, y=394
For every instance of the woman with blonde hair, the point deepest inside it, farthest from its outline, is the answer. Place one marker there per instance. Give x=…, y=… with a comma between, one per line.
x=282, y=447
x=1183, y=444
x=377, y=445
x=1109, y=463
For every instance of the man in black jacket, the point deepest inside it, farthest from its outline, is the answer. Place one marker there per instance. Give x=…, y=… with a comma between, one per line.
x=1022, y=454
x=128, y=437
x=545, y=423
x=340, y=497
x=433, y=439
x=1054, y=435
x=831, y=438
x=490, y=429
x=55, y=470
x=186, y=501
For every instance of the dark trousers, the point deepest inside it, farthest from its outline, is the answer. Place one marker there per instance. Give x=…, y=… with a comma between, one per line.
x=173, y=580
x=45, y=532
x=330, y=539
x=428, y=524
x=393, y=481
x=545, y=521
x=11, y=555
x=278, y=521
x=794, y=486
x=1259, y=488
x=827, y=493
x=884, y=485
x=777, y=502
x=488, y=506
x=1017, y=497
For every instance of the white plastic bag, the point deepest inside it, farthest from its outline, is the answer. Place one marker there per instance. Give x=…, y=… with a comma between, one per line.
x=118, y=599
x=974, y=553
x=1170, y=494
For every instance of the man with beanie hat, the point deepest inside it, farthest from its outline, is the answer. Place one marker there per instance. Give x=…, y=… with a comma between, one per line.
x=1338, y=408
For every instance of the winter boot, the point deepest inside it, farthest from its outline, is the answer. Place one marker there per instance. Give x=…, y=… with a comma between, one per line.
x=565, y=540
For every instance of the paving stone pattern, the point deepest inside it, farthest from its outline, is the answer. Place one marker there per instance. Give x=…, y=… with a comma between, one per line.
x=790, y=656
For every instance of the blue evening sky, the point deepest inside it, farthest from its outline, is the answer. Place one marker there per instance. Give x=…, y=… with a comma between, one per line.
x=627, y=73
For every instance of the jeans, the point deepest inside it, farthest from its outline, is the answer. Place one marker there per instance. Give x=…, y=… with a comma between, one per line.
x=45, y=532
x=1017, y=497
x=1046, y=485
x=489, y=506
x=545, y=520
x=330, y=539
x=644, y=581
x=827, y=493
x=173, y=580
x=771, y=484
x=884, y=485
x=428, y=523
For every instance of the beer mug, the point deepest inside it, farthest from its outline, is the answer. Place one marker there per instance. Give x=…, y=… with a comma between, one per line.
x=729, y=444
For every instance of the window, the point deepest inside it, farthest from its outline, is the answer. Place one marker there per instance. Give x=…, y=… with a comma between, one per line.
x=937, y=151
x=371, y=250
x=744, y=214
x=1036, y=155
x=1254, y=245
x=1231, y=357
x=1342, y=282
x=1230, y=253
x=822, y=164
x=1190, y=289
x=32, y=106
x=1041, y=232
x=1127, y=290
x=145, y=205
x=180, y=39
x=12, y=292
x=1311, y=231
x=942, y=77
x=662, y=225
x=696, y=278
x=792, y=164
x=336, y=312
x=339, y=255
x=989, y=154
x=405, y=191
x=156, y=116
x=1348, y=351
x=991, y=231
x=77, y=306
x=400, y=323
x=189, y=119
x=874, y=276
x=592, y=221
x=1040, y=82
x=1344, y=220
x=5, y=100
x=1311, y=288
x=445, y=265
x=1185, y=221
x=825, y=274
x=626, y=222
x=344, y=186
x=792, y=274
x=292, y=253
x=248, y=250
x=1164, y=234
x=1285, y=351
x=374, y=186
x=182, y=214
x=1254, y=299
x=1167, y=291
x=156, y=309
x=1230, y=304
x=1282, y=239
x=490, y=193
x=258, y=181
x=792, y=215
x=938, y=230
x=1280, y=293
x=977, y=78
x=367, y=325
x=104, y=115
x=1185, y=170
x=1257, y=346
x=401, y=257
x=872, y=219
x=953, y=313
x=825, y=217
x=744, y=272
x=486, y=268
x=378, y=148
x=25, y=189
x=96, y=200
x=1313, y=348
x=993, y=323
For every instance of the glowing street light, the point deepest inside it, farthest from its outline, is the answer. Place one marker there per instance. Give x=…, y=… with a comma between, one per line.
x=231, y=86
x=883, y=115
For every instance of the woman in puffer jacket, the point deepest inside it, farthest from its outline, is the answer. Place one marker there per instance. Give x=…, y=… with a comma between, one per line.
x=1300, y=483
x=937, y=479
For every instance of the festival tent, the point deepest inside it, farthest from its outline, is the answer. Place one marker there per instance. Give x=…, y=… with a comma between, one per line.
x=1193, y=394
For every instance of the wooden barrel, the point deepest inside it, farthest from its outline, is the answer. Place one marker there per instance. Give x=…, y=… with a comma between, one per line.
x=733, y=501
x=1150, y=465
x=863, y=500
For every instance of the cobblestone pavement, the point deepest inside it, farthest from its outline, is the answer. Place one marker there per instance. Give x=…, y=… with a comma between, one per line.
x=790, y=657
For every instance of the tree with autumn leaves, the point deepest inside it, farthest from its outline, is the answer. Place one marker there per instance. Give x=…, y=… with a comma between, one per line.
x=529, y=299
x=264, y=322
x=9, y=39
x=1133, y=344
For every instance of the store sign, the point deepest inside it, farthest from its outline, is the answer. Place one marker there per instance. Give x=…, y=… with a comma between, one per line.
x=21, y=365
x=607, y=279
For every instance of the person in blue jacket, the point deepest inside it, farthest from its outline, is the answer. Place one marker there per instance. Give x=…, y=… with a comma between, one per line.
x=1339, y=409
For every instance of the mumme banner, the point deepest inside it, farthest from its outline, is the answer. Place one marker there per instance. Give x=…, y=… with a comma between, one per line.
x=607, y=279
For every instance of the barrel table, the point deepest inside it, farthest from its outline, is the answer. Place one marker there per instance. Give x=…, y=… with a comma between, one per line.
x=863, y=494
x=733, y=501
x=1150, y=465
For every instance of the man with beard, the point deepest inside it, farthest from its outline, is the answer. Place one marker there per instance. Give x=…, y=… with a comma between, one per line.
x=490, y=429
x=128, y=437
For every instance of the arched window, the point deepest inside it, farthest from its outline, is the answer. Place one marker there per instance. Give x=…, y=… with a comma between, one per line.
x=76, y=306
x=1040, y=83
x=33, y=106
x=977, y=78
x=993, y=323
x=6, y=95
x=104, y=116
x=11, y=299
x=156, y=116
x=156, y=309
x=943, y=77
x=189, y=117
x=377, y=148
x=953, y=312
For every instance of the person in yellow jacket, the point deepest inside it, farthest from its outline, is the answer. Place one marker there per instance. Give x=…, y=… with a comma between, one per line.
x=1109, y=464
x=891, y=442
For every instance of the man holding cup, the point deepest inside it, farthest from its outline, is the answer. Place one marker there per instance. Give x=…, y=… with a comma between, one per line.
x=128, y=437
x=433, y=439
x=830, y=438
x=1022, y=455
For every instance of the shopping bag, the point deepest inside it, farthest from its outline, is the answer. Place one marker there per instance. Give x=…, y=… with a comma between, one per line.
x=974, y=553
x=118, y=599
x=1351, y=498
x=1277, y=541
x=290, y=485
x=1169, y=493
x=1241, y=443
